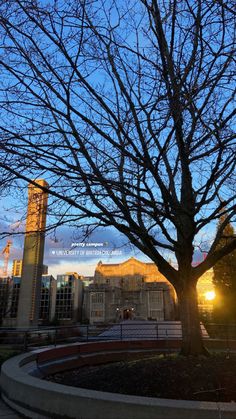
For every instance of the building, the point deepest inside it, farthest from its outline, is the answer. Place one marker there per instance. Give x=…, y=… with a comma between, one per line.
x=68, y=293
x=17, y=268
x=87, y=280
x=46, y=313
x=46, y=300
x=128, y=290
x=60, y=300
x=14, y=299
x=206, y=295
x=4, y=295
x=29, y=298
x=45, y=270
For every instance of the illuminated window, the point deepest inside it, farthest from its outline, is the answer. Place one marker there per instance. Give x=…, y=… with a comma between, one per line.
x=97, y=313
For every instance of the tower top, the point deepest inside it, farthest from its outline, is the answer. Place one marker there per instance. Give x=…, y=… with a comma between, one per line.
x=40, y=182
x=37, y=206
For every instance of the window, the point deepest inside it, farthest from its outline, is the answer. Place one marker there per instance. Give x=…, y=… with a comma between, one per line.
x=97, y=305
x=97, y=297
x=65, y=297
x=97, y=313
x=156, y=305
x=156, y=299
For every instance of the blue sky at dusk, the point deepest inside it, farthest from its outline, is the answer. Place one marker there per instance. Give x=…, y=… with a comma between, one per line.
x=65, y=249
x=104, y=244
x=29, y=121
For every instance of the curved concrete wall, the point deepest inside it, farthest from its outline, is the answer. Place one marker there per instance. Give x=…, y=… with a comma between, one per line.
x=36, y=398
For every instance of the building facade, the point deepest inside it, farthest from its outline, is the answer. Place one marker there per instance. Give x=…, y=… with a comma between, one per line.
x=67, y=298
x=17, y=268
x=205, y=305
x=45, y=303
x=4, y=296
x=128, y=290
x=60, y=300
x=117, y=292
x=46, y=314
x=14, y=298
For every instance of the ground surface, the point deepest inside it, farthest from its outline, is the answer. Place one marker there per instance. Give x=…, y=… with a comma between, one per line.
x=7, y=413
x=172, y=376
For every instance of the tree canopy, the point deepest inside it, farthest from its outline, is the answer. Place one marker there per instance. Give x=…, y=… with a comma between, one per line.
x=126, y=109
x=224, y=280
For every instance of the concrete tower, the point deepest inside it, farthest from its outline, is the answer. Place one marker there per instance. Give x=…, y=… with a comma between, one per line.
x=29, y=299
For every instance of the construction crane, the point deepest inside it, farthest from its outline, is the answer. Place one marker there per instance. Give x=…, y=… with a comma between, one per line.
x=6, y=253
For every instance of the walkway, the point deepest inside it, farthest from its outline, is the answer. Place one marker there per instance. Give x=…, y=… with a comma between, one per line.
x=7, y=413
x=146, y=330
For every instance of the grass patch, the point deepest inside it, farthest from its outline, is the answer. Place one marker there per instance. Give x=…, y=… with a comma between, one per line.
x=173, y=376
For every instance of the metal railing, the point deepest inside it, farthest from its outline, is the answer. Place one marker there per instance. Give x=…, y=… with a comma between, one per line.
x=26, y=339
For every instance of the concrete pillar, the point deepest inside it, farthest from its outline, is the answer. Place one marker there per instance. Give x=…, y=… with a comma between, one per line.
x=29, y=299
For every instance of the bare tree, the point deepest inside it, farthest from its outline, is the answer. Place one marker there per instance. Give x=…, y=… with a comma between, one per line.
x=127, y=109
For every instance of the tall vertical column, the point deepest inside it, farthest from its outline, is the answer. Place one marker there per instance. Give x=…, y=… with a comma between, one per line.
x=30, y=288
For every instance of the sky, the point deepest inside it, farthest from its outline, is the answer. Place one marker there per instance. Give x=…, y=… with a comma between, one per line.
x=65, y=251
x=56, y=248
x=59, y=245
x=62, y=257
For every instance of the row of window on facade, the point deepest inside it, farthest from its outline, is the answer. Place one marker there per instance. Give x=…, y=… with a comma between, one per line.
x=62, y=299
x=155, y=305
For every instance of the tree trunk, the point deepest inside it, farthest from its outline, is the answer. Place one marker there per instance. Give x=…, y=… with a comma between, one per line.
x=192, y=343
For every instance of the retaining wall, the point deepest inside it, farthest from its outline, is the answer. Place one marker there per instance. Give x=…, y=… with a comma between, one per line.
x=24, y=389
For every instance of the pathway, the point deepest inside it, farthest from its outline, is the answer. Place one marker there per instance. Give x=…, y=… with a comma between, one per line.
x=145, y=330
x=6, y=412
